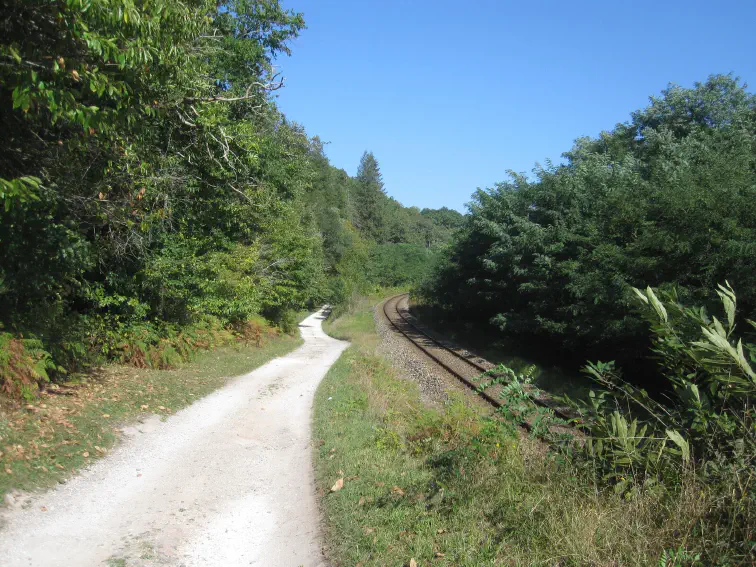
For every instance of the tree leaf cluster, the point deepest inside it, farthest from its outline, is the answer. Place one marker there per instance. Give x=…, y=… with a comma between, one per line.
x=665, y=199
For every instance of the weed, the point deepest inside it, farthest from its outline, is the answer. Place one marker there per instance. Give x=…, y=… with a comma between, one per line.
x=450, y=486
x=24, y=365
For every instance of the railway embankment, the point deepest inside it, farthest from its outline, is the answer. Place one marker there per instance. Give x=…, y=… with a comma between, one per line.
x=413, y=469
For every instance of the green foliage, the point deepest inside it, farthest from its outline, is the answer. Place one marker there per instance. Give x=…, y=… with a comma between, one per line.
x=472, y=491
x=149, y=184
x=370, y=199
x=517, y=397
x=394, y=265
x=707, y=429
x=148, y=345
x=23, y=366
x=666, y=199
x=148, y=181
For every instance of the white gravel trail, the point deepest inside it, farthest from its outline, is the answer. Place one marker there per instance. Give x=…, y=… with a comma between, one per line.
x=227, y=481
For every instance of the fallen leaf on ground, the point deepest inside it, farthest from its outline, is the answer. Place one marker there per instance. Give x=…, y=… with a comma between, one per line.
x=379, y=484
x=85, y=454
x=362, y=501
x=397, y=490
x=338, y=486
x=144, y=406
x=413, y=563
x=106, y=415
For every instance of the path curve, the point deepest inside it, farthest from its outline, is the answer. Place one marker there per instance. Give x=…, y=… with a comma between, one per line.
x=226, y=481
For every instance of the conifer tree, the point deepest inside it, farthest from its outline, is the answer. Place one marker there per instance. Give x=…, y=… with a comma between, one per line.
x=370, y=200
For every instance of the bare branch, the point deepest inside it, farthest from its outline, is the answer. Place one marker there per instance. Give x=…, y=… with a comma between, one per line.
x=250, y=93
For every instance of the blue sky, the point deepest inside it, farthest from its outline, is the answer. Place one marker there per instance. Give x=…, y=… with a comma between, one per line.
x=449, y=95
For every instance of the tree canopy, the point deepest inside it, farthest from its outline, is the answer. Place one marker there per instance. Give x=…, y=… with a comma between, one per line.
x=665, y=199
x=148, y=181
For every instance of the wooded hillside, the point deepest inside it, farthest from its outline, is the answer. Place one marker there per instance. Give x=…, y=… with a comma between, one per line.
x=152, y=193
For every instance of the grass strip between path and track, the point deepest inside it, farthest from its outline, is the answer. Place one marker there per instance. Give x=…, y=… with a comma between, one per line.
x=52, y=438
x=451, y=487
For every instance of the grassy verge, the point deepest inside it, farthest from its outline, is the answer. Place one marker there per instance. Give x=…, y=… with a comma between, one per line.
x=452, y=487
x=68, y=427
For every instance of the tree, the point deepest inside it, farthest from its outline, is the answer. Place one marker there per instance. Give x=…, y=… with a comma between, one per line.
x=667, y=199
x=370, y=199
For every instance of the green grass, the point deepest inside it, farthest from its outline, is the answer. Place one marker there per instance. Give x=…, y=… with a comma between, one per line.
x=46, y=441
x=453, y=487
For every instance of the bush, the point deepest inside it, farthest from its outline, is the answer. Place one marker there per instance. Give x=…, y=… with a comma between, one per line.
x=254, y=331
x=705, y=434
x=149, y=345
x=393, y=265
x=666, y=199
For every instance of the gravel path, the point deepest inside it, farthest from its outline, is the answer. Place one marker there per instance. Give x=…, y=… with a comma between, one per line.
x=225, y=482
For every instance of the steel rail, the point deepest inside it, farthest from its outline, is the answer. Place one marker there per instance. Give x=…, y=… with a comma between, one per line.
x=490, y=399
x=442, y=345
x=493, y=401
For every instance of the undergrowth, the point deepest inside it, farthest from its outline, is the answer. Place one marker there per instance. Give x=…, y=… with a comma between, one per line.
x=25, y=365
x=450, y=486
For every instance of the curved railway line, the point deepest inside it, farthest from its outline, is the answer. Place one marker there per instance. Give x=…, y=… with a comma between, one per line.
x=423, y=340
x=462, y=365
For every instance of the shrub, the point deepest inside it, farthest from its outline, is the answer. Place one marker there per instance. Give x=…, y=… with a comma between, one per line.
x=149, y=345
x=704, y=434
x=666, y=199
x=24, y=366
x=254, y=331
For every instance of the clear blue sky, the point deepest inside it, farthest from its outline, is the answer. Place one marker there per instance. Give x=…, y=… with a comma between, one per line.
x=449, y=95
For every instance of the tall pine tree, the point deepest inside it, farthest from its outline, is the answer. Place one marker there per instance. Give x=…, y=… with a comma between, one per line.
x=370, y=199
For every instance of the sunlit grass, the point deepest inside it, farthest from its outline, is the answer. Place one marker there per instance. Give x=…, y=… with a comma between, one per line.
x=450, y=486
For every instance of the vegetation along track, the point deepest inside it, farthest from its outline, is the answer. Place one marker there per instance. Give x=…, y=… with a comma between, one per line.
x=463, y=365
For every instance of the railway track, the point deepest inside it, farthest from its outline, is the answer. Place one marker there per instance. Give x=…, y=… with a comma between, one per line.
x=423, y=340
x=462, y=365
